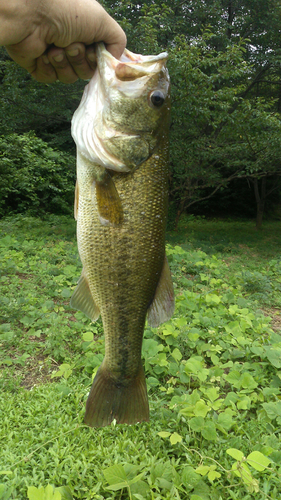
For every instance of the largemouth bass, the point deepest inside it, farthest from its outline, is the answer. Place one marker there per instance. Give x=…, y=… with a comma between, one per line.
x=121, y=134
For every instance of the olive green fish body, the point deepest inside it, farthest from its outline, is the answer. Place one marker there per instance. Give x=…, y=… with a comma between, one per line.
x=125, y=274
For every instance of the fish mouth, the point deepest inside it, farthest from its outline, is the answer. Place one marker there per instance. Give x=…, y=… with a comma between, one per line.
x=145, y=64
x=131, y=73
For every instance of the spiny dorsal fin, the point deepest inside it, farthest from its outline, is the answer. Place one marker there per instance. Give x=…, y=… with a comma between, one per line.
x=82, y=299
x=163, y=304
x=76, y=200
x=109, y=204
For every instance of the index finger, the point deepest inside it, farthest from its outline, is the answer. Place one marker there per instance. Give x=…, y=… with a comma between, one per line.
x=113, y=36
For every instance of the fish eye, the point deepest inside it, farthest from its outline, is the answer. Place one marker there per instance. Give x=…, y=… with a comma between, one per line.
x=157, y=98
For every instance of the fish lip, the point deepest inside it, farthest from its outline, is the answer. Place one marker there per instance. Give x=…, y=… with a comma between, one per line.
x=129, y=57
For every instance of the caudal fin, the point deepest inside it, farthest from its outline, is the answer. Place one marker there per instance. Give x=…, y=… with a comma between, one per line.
x=110, y=399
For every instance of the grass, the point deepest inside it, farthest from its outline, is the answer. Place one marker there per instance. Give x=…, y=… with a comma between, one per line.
x=213, y=372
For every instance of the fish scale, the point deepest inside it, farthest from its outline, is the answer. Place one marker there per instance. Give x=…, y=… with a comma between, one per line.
x=115, y=254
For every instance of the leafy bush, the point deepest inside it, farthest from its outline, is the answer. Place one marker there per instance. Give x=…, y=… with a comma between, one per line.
x=34, y=177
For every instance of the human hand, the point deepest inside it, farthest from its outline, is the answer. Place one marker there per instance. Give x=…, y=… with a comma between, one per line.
x=55, y=40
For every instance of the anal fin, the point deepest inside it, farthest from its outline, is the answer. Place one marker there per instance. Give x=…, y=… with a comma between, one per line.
x=82, y=299
x=163, y=304
x=125, y=401
x=108, y=201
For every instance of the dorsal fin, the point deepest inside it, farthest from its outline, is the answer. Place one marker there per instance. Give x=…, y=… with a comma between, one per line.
x=163, y=304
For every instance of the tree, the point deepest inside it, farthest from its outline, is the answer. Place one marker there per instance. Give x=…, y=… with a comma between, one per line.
x=224, y=66
x=226, y=92
x=29, y=105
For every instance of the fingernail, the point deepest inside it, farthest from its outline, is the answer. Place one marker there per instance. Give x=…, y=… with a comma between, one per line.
x=72, y=52
x=58, y=58
x=45, y=60
x=91, y=56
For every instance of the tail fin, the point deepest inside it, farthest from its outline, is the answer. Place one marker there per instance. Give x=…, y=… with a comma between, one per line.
x=110, y=399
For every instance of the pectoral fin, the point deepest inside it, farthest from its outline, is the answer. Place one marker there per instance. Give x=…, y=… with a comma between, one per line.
x=109, y=204
x=163, y=305
x=82, y=299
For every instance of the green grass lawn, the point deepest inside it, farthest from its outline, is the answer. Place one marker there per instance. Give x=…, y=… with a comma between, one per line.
x=213, y=371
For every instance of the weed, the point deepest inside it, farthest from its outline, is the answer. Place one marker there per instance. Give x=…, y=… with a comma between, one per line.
x=213, y=374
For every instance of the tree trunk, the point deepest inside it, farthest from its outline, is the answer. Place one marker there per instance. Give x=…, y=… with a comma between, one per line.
x=260, y=200
x=230, y=19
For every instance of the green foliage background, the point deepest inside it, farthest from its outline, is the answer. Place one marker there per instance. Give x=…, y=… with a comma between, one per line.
x=213, y=372
x=34, y=177
x=224, y=62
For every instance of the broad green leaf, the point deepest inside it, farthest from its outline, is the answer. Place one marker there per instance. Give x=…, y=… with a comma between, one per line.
x=244, y=403
x=153, y=382
x=211, y=298
x=189, y=476
x=193, y=336
x=202, y=470
x=115, y=474
x=177, y=355
x=140, y=488
x=258, y=461
x=136, y=479
x=196, y=497
x=161, y=359
x=236, y=454
x=49, y=492
x=175, y=438
x=196, y=423
x=194, y=364
x=131, y=470
x=164, y=483
x=209, y=431
x=247, y=381
x=273, y=355
x=164, y=434
x=88, y=336
x=273, y=409
x=212, y=393
x=234, y=378
x=117, y=486
x=3, y=472
x=203, y=374
x=225, y=420
x=213, y=474
x=233, y=328
x=201, y=409
x=35, y=493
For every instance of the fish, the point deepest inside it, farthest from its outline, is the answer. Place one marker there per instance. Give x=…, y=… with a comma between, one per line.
x=121, y=130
